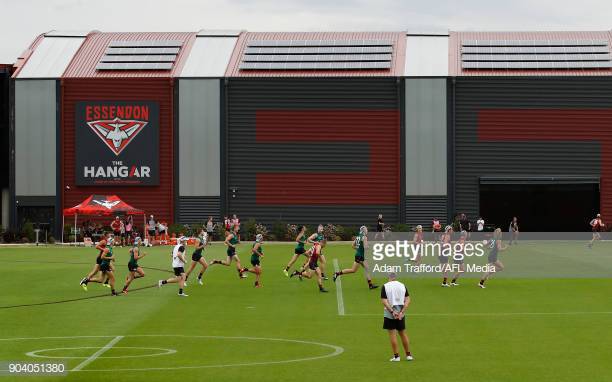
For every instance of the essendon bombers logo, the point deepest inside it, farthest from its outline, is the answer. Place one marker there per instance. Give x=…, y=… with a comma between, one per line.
x=117, y=143
x=117, y=133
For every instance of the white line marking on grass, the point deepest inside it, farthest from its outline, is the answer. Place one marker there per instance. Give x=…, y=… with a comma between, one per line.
x=484, y=314
x=339, y=290
x=95, y=355
x=160, y=351
x=337, y=350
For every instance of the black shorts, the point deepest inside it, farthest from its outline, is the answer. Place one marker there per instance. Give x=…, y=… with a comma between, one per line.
x=379, y=228
x=255, y=262
x=458, y=261
x=98, y=260
x=105, y=268
x=313, y=266
x=196, y=256
x=359, y=259
x=117, y=233
x=162, y=232
x=231, y=251
x=178, y=271
x=492, y=259
x=132, y=268
x=151, y=233
x=300, y=251
x=392, y=324
x=443, y=259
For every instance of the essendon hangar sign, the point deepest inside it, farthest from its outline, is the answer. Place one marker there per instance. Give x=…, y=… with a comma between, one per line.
x=117, y=143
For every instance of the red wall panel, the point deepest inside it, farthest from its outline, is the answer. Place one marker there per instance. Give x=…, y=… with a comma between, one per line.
x=157, y=200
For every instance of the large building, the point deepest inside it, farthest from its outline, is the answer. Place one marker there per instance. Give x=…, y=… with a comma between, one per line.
x=316, y=127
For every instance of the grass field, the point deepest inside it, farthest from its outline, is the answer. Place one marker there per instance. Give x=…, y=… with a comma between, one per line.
x=516, y=329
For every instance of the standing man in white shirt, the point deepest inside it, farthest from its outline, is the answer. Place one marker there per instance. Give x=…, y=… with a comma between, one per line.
x=480, y=223
x=178, y=265
x=396, y=299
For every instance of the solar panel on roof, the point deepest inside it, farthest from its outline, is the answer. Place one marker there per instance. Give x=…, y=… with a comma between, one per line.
x=134, y=66
x=535, y=54
x=534, y=49
x=145, y=43
x=365, y=54
x=139, y=58
x=140, y=55
x=146, y=51
x=306, y=43
x=534, y=43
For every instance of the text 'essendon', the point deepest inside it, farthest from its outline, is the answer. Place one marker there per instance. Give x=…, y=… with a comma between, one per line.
x=95, y=112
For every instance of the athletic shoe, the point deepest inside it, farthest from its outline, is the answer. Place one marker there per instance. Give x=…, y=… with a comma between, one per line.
x=114, y=293
x=242, y=274
x=325, y=278
x=373, y=286
x=200, y=282
x=258, y=285
x=323, y=290
x=185, y=284
x=183, y=295
x=106, y=285
x=83, y=285
x=159, y=283
x=481, y=285
x=124, y=291
x=395, y=359
x=409, y=358
x=445, y=285
x=454, y=284
x=335, y=277
x=285, y=272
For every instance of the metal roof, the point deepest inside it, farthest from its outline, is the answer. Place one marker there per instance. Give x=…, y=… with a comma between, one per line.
x=457, y=38
x=396, y=68
x=86, y=59
x=51, y=57
x=426, y=56
x=209, y=56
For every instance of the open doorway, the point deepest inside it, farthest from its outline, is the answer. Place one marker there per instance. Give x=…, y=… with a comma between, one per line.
x=548, y=207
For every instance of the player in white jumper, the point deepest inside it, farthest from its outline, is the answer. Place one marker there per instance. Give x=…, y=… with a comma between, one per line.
x=178, y=264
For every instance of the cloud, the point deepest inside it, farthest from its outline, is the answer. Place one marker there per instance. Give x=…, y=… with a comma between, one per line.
x=32, y=17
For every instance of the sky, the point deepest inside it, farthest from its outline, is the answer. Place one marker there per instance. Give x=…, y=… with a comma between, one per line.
x=22, y=20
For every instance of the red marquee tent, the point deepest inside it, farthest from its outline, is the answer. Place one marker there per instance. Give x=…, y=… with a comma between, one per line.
x=101, y=205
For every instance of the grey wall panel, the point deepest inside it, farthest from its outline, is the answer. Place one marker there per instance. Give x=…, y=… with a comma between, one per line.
x=423, y=209
x=197, y=209
x=246, y=157
x=474, y=159
x=426, y=131
x=35, y=137
x=199, y=137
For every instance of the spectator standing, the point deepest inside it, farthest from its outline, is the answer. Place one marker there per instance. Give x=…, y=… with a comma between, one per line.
x=380, y=227
x=236, y=225
x=151, y=229
x=435, y=225
x=464, y=223
x=129, y=226
x=227, y=224
x=514, y=231
x=480, y=223
x=116, y=227
x=210, y=228
x=395, y=299
x=122, y=230
x=162, y=229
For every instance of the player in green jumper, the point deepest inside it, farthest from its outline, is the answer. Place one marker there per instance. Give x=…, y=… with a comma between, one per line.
x=299, y=249
x=256, y=255
x=231, y=241
x=135, y=270
x=360, y=244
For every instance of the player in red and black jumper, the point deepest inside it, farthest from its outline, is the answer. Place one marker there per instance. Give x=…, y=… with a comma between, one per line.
x=597, y=225
x=314, y=254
